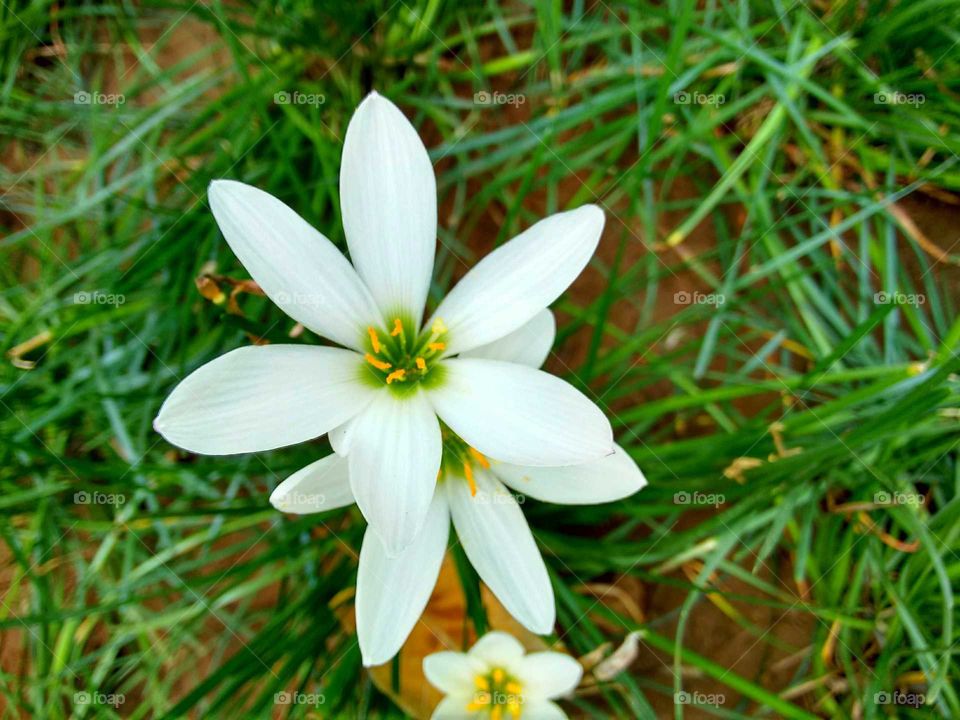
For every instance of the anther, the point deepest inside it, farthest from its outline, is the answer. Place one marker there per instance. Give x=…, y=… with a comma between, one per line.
x=480, y=458
x=468, y=473
x=397, y=327
x=438, y=327
x=378, y=364
x=436, y=346
x=374, y=340
x=421, y=364
x=396, y=375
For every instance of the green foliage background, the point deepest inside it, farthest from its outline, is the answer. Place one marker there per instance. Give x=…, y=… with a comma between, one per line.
x=196, y=598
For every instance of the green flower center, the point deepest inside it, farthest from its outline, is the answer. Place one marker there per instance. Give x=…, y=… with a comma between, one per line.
x=497, y=693
x=400, y=358
x=459, y=458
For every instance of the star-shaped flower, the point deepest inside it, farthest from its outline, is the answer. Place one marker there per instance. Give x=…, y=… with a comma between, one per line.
x=383, y=393
x=495, y=680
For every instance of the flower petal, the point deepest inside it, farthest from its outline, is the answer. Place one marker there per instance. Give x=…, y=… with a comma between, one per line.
x=340, y=436
x=520, y=415
x=498, y=648
x=610, y=478
x=395, y=450
x=520, y=278
x=320, y=486
x=393, y=591
x=388, y=195
x=527, y=345
x=542, y=710
x=453, y=673
x=548, y=675
x=264, y=397
x=297, y=267
x=499, y=544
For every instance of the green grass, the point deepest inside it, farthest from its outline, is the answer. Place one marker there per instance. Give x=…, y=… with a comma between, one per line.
x=193, y=597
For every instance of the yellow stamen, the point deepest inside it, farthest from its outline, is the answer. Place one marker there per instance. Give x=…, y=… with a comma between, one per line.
x=374, y=340
x=481, y=682
x=513, y=688
x=422, y=364
x=476, y=705
x=396, y=375
x=480, y=458
x=436, y=346
x=496, y=712
x=468, y=473
x=438, y=327
x=498, y=675
x=514, y=708
x=378, y=364
x=397, y=327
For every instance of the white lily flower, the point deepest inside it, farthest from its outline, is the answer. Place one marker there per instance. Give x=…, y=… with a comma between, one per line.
x=393, y=591
x=497, y=680
x=381, y=393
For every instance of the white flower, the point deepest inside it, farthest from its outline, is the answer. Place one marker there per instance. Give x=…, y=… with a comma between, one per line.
x=496, y=680
x=380, y=394
x=393, y=591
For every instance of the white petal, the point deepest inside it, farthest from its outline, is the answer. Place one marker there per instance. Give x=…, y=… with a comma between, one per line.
x=393, y=591
x=394, y=459
x=520, y=415
x=453, y=673
x=264, y=397
x=542, y=710
x=610, y=478
x=498, y=648
x=320, y=486
x=499, y=544
x=388, y=195
x=549, y=674
x=520, y=278
x=454, y=707
x=527, y=345
x=340, y=436
x=296, y=266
